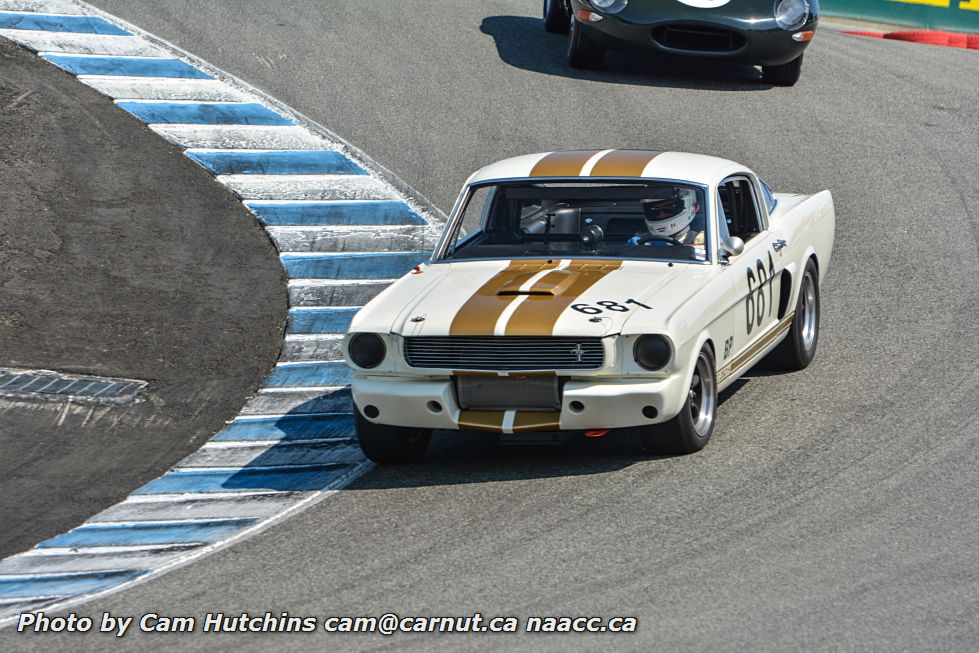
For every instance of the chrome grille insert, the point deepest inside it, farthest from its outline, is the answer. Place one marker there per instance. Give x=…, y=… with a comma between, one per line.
x=504, y=353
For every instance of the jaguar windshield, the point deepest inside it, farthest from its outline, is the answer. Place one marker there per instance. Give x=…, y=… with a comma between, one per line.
x=645, y=220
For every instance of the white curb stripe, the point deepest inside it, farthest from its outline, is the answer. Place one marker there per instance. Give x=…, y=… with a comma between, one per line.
x=90, y=44
x=163, y=88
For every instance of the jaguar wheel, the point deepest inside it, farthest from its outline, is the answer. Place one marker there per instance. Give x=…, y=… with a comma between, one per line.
x=391, y=445
x=582, y=51
x=557, y=20
x=691, y=428
x=786, y=74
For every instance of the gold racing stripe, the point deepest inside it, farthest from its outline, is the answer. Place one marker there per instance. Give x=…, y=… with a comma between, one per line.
x=536, y=421
x=539, y=313
x=562, y=164
x=481, y=420
x=753, y=350
x=478, y=316
x=623, y=163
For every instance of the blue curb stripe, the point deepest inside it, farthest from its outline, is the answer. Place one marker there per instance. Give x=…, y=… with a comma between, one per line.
x=288, y=427
x=128, y=66
x=51, y=23
x=309, y=375
x=384, y=265
x=204, y=113
x=66, y=584
x=321, y=320
x=301, y=214
x=284, y=479
x=147, y=533
x=285, y=162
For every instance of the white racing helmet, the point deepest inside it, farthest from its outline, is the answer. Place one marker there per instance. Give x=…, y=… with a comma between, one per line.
x=671, y=216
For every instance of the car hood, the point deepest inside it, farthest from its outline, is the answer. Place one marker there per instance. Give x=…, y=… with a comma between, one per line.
x=573, y=297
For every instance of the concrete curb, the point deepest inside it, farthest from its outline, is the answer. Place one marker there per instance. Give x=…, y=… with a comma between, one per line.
x=344, y=227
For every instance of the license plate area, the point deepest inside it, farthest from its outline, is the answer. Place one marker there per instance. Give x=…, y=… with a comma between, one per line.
x=514, y=392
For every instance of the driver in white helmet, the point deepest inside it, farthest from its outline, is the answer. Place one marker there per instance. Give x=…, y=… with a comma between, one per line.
x=669, y=222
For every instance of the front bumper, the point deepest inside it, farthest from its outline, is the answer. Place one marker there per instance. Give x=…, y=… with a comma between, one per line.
x=606, y=403
x=764, y=42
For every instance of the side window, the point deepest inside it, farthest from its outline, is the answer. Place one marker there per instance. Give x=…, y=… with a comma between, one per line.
x=739, y=208
x=770, y=200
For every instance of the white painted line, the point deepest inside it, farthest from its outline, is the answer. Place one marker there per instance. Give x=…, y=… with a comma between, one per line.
x=301, y=388
x=163, y=88
x=311, y=187
x=84, y=44
x=290, y=137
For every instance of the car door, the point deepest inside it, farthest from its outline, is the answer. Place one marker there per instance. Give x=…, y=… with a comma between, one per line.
x=755, y=272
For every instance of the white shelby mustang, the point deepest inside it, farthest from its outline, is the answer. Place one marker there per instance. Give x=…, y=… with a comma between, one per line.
x=586, y=291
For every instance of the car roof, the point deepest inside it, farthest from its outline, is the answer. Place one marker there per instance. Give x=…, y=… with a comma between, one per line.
x=621, y=164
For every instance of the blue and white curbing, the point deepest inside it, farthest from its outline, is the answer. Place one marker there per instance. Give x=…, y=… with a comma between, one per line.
x=344, y=228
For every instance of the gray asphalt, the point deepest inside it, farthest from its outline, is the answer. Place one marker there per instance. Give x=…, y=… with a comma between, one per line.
x=835, y=508
x=118, y=257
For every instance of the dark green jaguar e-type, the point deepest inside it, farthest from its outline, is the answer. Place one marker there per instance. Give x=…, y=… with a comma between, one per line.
x=769, y=33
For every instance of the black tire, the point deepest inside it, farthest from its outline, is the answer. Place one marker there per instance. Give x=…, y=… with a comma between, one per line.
x=786, y=74
x=557, y=20
x=798, y=348
x=582, y=51
x=691, y=429
x=391, y=445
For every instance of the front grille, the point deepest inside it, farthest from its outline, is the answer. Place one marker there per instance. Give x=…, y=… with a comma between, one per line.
x=504, y=353
x=698, y=38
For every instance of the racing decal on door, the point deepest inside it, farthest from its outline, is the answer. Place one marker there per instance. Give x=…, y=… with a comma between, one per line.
x=757, y=305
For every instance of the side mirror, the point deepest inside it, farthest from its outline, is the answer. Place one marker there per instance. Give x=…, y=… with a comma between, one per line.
x=732, y=245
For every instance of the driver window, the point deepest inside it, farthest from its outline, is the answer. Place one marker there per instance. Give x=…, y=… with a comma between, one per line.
x=739, y=209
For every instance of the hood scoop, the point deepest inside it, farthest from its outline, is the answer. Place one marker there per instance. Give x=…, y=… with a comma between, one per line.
x=552, y=284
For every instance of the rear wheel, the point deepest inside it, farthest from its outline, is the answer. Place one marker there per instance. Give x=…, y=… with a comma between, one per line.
x=799, y=346
x=391, y=445
x=786, y=74
x=556, y=17
x=582, y=51
x=691, y=429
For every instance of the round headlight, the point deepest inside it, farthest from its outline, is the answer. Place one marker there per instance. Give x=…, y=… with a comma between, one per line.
x=791, y=14
x=609, y=6
x=652, y=352
x=367, y=350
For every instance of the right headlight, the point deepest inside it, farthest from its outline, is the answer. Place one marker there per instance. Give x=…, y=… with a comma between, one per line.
x=652, y=352
x=609, y=6
x=367, y=350
x=791, y=14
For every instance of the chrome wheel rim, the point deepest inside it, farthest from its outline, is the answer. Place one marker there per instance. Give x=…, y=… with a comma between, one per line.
x=702, y=397
x=810, y=313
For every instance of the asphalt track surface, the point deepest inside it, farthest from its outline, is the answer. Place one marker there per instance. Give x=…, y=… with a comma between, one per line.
x=118, y=257
x=835, y=508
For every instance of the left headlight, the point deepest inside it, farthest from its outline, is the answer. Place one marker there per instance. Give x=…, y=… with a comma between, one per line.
x=367, y=350
x=652, y=352
x=609, y=6
x=791, y=14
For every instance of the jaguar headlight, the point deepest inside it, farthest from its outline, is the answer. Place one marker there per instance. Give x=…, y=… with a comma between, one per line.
x=367, y=350
x=652, y=352
x=609, y=6
x=791, y=14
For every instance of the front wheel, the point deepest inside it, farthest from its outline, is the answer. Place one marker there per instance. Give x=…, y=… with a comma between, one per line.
x=391, y=445
x=556, y=17
x=691, y=429
x=786, y=74
x=798, y=348
x=582, y=51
